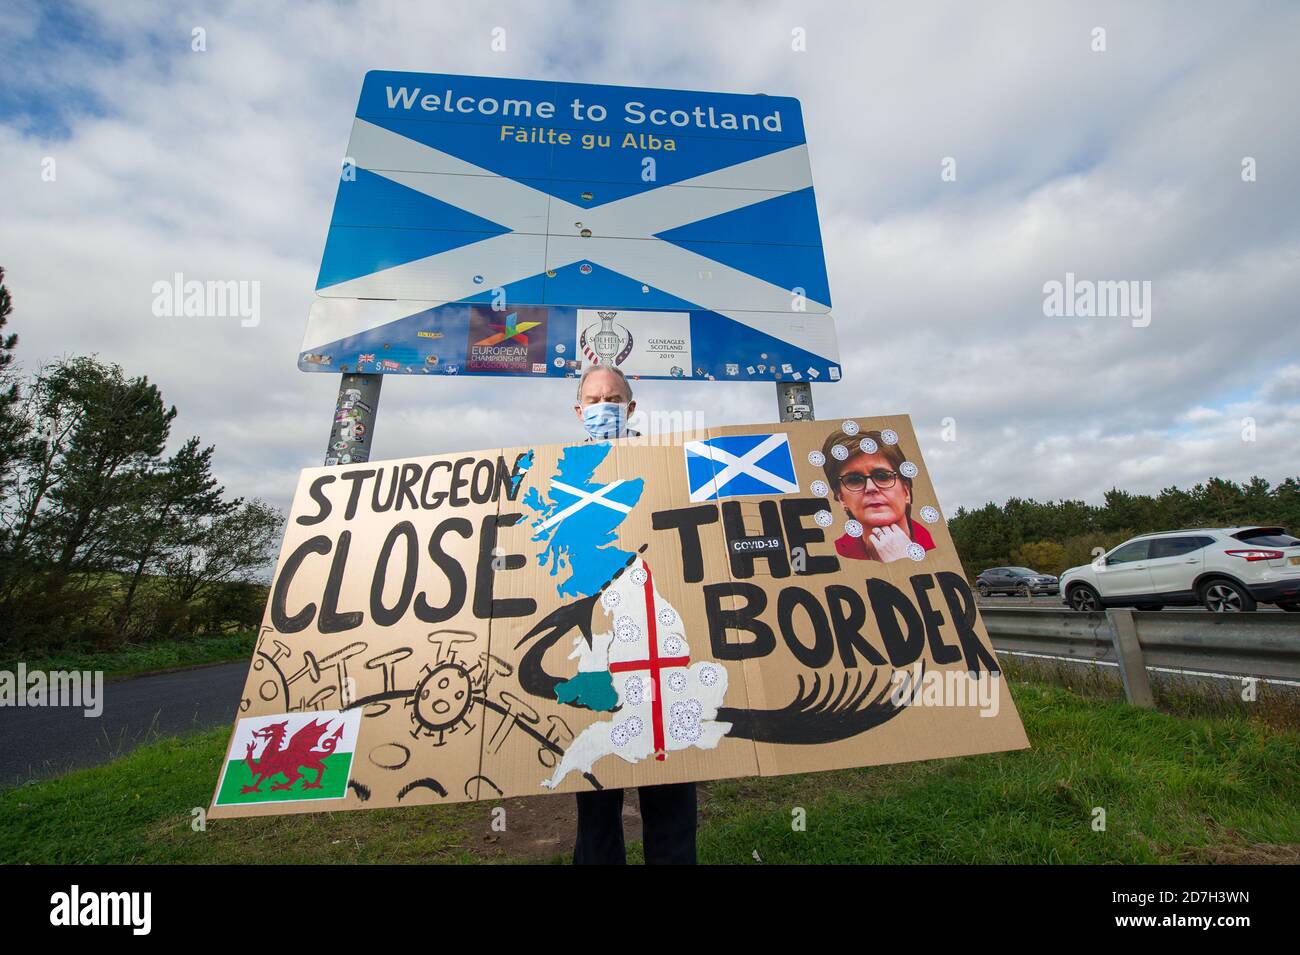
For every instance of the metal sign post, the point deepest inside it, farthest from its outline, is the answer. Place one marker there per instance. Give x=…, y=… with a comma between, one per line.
x=354, y=419
x=794, y=400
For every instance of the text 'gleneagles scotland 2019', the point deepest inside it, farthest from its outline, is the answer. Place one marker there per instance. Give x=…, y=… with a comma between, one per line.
x=635, y=113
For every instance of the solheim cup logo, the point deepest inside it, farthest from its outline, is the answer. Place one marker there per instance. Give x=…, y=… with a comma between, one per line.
x=607, y=345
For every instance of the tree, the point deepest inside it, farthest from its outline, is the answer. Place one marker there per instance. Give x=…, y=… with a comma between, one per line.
x=13, y=424
x=1009, y=533
x=117, y=431
x=217, y=549
x=164, y=506
x=1046, y=557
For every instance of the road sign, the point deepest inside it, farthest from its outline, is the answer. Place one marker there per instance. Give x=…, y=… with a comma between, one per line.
x=488, y=226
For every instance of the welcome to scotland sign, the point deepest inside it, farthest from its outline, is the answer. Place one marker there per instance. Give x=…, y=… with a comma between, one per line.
x=519, y=227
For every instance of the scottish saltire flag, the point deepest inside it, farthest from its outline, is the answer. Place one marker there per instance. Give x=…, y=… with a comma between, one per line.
x=672, y=231
x=740, y=464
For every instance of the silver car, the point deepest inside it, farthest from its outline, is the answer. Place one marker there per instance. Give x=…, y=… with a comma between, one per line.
x=1223, y=569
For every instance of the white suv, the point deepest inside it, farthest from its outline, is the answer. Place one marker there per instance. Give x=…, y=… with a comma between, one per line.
x=1223, y=569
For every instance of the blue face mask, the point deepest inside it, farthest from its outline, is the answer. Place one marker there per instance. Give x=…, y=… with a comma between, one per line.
x=604, y=420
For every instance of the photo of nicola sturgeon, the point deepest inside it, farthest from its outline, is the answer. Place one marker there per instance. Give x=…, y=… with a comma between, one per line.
x=872, y=480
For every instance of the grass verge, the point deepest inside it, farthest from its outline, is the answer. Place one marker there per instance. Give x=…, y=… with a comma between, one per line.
x=138, y=659
x=1174, y=789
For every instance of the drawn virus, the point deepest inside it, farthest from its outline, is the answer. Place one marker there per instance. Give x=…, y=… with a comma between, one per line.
x=441, y=702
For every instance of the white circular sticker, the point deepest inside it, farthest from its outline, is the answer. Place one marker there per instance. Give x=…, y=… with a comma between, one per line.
x=687, y=732
x=633, y=690
x=559, y=349
x=889, y=436
x=849, y=427
x=929, y=514
x=852, y=528
x=816, y=458
x=907, y=469
x=839, y=452
x=686, y=711
x=823, y=518
x=868, y=446
x=819, y=488
x=916, y=551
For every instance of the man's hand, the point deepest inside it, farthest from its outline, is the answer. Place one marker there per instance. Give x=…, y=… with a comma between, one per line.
x=889, y=543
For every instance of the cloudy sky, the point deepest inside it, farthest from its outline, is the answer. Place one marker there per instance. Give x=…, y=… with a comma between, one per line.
x=1117, y=164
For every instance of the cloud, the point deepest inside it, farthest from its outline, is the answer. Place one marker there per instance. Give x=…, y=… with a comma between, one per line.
x=1116, y=165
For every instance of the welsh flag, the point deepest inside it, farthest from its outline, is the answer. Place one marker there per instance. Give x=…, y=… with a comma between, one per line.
x=290, y=757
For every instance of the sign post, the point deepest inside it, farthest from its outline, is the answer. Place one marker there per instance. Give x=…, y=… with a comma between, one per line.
x=354, y=419
x=794, y=401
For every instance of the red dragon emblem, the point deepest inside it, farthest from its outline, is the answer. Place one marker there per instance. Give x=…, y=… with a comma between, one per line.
x=300, y=752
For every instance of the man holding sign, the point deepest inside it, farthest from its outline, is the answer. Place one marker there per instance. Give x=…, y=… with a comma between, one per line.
x=668, y=813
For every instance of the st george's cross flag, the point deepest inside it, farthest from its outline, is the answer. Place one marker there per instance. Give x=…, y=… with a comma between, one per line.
x=617, y=211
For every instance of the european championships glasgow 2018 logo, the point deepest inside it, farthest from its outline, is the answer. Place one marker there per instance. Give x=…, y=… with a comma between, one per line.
x=607, y=344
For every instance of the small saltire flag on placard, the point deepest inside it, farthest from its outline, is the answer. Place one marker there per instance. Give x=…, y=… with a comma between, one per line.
x=740, y=464
x=290, y=757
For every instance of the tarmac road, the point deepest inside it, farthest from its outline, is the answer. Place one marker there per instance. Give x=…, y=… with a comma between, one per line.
x=40, y=742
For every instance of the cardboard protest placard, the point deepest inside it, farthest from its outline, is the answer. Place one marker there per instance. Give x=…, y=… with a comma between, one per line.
x=749, y=600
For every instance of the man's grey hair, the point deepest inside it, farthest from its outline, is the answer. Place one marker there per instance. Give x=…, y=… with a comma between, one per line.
x=613, y=370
